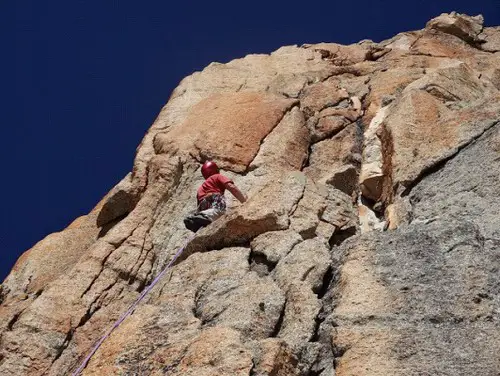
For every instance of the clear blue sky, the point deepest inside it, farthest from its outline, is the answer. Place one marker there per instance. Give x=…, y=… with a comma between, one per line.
x=83, y=80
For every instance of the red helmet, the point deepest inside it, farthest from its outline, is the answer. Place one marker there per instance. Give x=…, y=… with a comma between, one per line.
x=208, y=169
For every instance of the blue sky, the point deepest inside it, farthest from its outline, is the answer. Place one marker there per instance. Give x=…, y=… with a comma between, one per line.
x=83, y=80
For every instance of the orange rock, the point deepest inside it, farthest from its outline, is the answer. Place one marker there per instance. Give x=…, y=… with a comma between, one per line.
x=331, y=155
x=226, y=127
x=320, y=96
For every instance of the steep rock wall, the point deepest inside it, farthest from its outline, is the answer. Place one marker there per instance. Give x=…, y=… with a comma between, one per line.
x=369, y=244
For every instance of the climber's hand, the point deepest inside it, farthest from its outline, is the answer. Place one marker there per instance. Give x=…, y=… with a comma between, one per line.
x=231, y=187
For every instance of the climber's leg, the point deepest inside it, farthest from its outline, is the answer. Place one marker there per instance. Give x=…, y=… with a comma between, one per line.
x=212, y=213
x=211, y=209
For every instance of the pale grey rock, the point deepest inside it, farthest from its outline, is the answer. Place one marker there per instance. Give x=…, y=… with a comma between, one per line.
x=275, y=245
x=307, y=262
x=466, y=188
x=491, y=37
x=251, y=305
x=411, y=294
x=299, y=321
x=305, y=218
x=461, y=25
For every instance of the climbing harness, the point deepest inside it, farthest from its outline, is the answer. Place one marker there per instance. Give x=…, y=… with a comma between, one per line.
x=131, y=308
x=213, y=200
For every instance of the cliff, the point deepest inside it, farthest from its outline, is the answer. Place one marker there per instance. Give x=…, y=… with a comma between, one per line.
x=370, y=244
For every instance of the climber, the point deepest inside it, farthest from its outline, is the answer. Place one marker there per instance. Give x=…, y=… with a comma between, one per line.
x=210, y=197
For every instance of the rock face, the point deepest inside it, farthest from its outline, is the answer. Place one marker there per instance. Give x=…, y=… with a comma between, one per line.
x=370, y=244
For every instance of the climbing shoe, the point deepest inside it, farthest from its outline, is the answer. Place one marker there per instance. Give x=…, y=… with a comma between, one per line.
x=196, y=221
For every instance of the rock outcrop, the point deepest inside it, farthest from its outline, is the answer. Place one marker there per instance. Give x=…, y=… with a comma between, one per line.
x=370, y=244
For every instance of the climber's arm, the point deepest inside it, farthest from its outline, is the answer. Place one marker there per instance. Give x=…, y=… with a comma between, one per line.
x=231, y=187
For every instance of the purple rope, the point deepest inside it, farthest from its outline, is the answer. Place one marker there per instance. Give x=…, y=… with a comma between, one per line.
x=130, y=310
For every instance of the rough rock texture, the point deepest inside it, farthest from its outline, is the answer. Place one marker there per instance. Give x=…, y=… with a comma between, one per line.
x=370, y=244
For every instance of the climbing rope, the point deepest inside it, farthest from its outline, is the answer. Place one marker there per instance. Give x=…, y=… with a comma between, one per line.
x=131, y=309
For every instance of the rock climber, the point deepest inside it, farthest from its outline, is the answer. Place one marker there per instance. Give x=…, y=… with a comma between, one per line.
x=210, y=197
